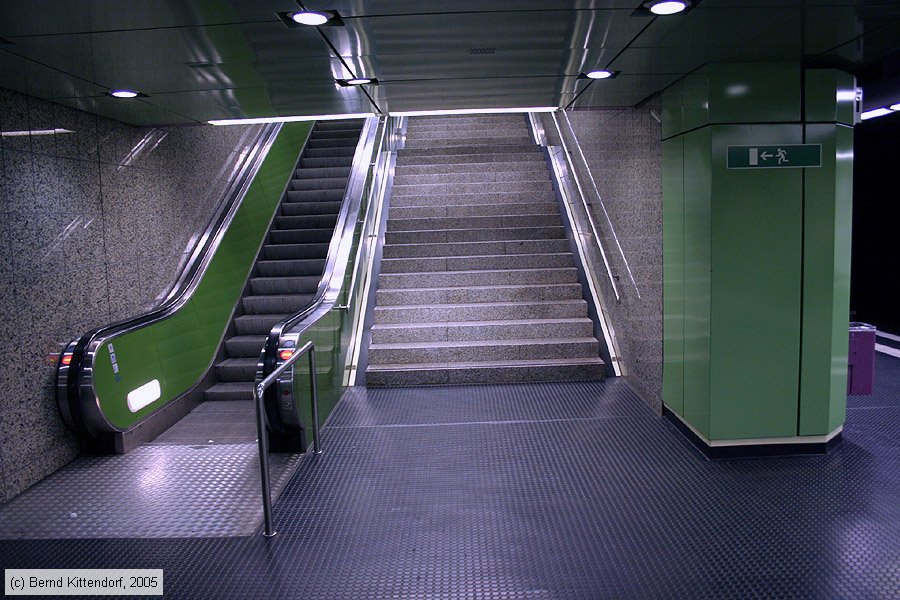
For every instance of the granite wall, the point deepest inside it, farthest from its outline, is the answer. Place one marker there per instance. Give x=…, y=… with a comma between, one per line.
x=622, y=149
x=94, y=224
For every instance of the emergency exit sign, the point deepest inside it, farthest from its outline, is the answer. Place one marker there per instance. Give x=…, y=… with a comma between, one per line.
x=784, y=156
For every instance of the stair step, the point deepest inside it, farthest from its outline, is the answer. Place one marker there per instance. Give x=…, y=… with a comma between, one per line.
x=447, y=279
x=442, y=199
x=461, y=152
x=482, y=350
x=462, y=168
x=482, y=330
x=475, y=248
x=467, y=211
x=445, y=188
x=519, y=127
x=474, y=294
x=276, y=304
x=443, y=236
x=440, y=264
x=470, y=120
x=495, y=175
x=481, y=311
x=470, y=161
x=262, y=286
x=244, y=346
x=447, y=133
x=471, y=222
x=467, y=142
x=573, y=369
x=230, y=392
x=237, y=369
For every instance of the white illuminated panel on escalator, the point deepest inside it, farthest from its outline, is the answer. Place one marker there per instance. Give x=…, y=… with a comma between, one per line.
x=144, y=395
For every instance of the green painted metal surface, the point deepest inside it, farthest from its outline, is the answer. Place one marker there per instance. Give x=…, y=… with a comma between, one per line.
x=830, y=96
x=178, y=350
x=764, y=253
x=826, y=281
x=673, y=273
x=756, y=233
x=778, y=156
x=697, y=264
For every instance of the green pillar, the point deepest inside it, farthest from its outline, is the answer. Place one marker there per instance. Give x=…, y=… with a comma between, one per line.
x=756, y=252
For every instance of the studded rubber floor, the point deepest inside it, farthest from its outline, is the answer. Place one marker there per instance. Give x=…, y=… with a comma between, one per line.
x=545, y=491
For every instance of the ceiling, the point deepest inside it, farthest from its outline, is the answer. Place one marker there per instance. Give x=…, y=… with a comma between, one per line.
x=198, y=60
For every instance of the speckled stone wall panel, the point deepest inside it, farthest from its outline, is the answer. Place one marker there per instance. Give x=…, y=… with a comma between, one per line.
x=622, y=148
x=94, y=225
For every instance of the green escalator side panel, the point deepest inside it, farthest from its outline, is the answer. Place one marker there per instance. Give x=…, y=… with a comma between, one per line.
x=178, y=350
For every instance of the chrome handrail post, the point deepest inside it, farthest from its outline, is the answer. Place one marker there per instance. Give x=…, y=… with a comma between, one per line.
x=314, y=391
x=263, y=442
x=263, y=445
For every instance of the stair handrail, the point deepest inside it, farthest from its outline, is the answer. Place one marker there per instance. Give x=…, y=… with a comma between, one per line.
x=590, y=174
x=74, y=371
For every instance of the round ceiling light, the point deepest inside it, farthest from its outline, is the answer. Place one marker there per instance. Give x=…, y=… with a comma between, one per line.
x=123, y=94
x=359, y=81
x=601, y=74
x=308, y=17
x=667, y=7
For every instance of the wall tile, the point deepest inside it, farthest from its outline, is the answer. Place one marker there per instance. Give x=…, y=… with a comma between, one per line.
x=14, y=117
x=17, y=180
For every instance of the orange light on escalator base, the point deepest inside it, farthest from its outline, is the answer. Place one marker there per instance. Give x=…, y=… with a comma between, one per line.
x=285, y=354
x=66, y=360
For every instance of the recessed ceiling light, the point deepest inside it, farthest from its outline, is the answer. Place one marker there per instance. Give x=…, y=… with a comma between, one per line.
x=667, y=7
x=357, y=81
x=599, y=74
x=123, y=94
x=309, y=17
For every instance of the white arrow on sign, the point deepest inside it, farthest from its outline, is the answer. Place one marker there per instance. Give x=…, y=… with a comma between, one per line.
x=765, y=156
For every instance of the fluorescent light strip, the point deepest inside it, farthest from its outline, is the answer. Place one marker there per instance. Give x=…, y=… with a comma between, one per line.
x=35, y=132
x=895, y=106
x=144, y=395
x=471, y=111
x=878, y=112
x=290, y=119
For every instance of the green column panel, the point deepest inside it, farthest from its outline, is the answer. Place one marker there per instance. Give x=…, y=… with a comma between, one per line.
x=697, y=194
x=830, y=96
x=754, y=93
x=826, y=281
x=673, y=273
x=756, y=239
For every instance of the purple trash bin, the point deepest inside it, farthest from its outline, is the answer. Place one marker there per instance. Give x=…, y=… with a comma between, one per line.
x=861, y=360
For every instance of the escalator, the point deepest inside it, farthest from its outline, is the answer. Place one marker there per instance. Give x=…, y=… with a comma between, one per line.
x=276, y=250
x=290, y=265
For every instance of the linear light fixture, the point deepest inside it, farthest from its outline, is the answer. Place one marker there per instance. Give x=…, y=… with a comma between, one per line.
x=356, y=81
x=876, y=112
x=35, y=132
x=290, y=119
x=471, y=111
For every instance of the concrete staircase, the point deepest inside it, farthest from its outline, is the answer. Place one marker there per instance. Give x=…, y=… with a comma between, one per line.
x=477, y=283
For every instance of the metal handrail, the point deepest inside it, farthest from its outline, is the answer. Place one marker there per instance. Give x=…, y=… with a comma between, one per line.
x=261, y=437
x=587, y=209
x=612, y=228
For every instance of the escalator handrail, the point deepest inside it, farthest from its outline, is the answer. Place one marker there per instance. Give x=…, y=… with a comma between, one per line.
x=80, y=406
x=332, y=280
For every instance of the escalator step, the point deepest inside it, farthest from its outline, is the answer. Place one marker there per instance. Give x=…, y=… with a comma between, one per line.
x=299, y=268
x=316, y=142
x=307, y=222
x=295, y=251
x=264, y=286
x=237, y=369
x=231, y=391
x=256, y=324
x=280, y=304
x=293, y=209
x=325, y=162
x=300, y=236
x=316, y=172
x=244, y=346
x=319, y=183
x=347, y=152
x=313, y=195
